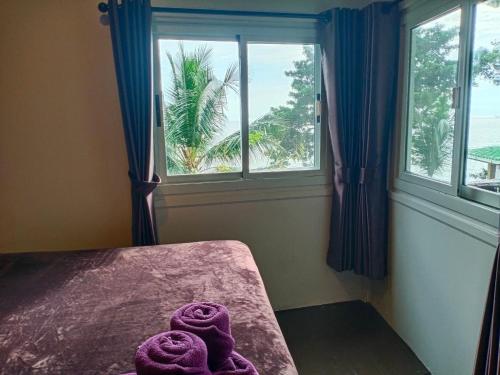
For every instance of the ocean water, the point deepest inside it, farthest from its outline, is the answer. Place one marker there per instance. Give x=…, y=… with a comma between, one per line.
x=483, y=132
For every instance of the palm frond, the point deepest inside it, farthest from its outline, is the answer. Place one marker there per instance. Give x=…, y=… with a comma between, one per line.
x=195, y=110
x=226, y=150
x=212, y=103
x=262, y=139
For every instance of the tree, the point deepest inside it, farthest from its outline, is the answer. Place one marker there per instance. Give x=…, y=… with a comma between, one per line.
x=486, y=62
x=434, y=77
x=294, y=123
x=285, y=133
x=195, y=113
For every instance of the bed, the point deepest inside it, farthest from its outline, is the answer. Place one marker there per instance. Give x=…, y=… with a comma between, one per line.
x=85, y=312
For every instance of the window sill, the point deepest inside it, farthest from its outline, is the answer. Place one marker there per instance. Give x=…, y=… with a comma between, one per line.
x=473, y=218
x=236, y=191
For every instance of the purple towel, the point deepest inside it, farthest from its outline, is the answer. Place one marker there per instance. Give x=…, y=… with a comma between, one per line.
x=236, y=365
x=172, y=353
x=210, y=321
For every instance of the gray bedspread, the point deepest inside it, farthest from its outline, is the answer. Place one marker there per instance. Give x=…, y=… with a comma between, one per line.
x=86, y=312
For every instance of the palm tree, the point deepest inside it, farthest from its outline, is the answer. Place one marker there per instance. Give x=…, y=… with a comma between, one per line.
x=434, y=145
x=195, y=115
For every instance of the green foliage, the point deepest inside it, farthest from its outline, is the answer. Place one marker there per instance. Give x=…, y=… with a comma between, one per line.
x=434, y=77
x=286, y=133
x=484, y=61
x=196, y=109
x=292, y=126
x=195, y=115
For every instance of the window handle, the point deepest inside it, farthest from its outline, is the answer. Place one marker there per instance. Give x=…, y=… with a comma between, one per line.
x=158, y=110
x=455, y=97
x=318, y=108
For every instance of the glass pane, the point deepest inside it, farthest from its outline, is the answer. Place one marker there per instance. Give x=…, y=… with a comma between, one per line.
x=281, y=107
x=483, y=145
x=431, y=116
x=201, y=106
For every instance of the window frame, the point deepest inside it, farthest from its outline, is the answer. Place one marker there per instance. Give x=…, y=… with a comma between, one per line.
x=467, y=191
x=413, y=21
x=468, y=200
x=243, y=30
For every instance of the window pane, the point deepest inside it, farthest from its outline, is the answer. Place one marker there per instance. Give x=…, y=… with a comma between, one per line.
x=483, y=145
x=431, y=117
x=201, y=106
x=282, y=107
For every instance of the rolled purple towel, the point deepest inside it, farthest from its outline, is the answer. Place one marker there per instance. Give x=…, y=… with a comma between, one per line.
x=236, y=364
x=172, y=353
x=209, y=321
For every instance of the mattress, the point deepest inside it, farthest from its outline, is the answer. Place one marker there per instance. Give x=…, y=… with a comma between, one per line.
x=86, y=312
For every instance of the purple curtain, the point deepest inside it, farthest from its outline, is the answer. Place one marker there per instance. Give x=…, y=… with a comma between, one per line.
x=130, y=23
x=360, y=54
x=487, y=359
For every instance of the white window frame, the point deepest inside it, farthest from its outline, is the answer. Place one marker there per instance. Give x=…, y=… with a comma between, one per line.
x=468, y=191
x=244, y=30
x=476, y=203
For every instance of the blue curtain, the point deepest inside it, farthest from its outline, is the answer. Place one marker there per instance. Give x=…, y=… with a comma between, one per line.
x=360, y=54
x=130, y=24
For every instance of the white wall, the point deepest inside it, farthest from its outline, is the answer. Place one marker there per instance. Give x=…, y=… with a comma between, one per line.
x=288, y=238
x=436, y=289
x=440, y=263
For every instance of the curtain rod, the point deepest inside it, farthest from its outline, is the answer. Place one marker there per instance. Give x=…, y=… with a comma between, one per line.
x=103, y=7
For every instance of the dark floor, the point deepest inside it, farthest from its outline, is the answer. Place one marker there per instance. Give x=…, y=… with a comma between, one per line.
x=348, y=338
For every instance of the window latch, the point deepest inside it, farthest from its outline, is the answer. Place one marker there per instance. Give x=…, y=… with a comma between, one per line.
x=318, y=108
x=158, y=110
x=455, y=98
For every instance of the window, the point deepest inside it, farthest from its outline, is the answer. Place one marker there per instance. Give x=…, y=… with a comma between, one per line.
x=237, y=102
x=452, y=105
x=282, y=96
x=201, y=106
x=483, y=133
x=431, y=108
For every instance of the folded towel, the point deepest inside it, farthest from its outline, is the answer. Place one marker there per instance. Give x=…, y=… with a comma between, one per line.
x=236, y=364
x=209, y=321
x=172, y=353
